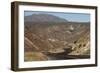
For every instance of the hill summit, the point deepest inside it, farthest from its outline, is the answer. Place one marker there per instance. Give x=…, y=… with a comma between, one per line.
x=43, y=18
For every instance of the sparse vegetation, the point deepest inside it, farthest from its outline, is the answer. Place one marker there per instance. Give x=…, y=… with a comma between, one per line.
x=35, y=56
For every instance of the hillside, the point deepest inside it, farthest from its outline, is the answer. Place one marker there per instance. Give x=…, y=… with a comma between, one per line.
x=82, y=45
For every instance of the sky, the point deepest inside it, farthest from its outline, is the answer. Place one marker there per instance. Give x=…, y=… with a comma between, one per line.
x=75, y=17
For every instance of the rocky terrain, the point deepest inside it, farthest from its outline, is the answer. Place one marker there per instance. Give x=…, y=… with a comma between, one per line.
x=49, y=37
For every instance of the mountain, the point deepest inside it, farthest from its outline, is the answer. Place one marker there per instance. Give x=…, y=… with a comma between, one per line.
x=43, y=18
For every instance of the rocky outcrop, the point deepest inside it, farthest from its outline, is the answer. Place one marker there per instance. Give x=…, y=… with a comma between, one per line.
x=82, y=45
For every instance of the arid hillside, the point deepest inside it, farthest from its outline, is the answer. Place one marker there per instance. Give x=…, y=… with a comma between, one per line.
x=55, y=39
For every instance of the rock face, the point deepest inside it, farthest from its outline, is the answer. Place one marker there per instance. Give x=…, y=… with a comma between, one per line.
x=82, y=45
x=51, y=35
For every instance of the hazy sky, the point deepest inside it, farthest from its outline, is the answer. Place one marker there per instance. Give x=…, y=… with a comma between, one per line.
x=77, y=17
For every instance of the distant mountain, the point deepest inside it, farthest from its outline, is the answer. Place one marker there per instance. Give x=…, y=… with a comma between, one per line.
x=43, y=18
